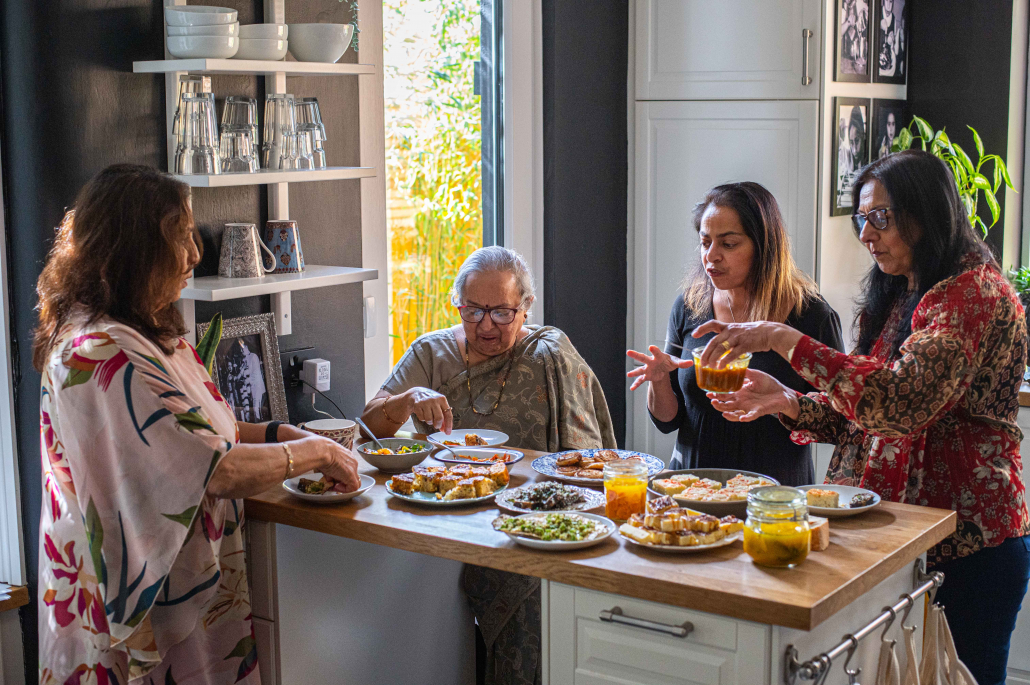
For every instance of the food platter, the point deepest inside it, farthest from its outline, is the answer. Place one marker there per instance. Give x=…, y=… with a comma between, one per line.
x=592, y=500
x=846, y=492
x=493, y=438
x=736, y=508
x=477, y=456
x=547, y=465
x=429, y=499
x=676, y=549
x=291, y=486
x=565, y=545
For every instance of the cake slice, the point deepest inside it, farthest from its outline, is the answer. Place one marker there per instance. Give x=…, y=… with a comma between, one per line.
x=465, y=489
x=730, y=524
x=498, y=473
x=447, y=482
x=709, y=484
x=403, y=483
x=657, y=506
x=823, y=498
x=668, y=486
x=687, y=479
x=482, y=485
x=428, y=481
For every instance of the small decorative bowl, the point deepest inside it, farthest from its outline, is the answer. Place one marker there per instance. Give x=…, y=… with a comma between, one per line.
x=394, y=463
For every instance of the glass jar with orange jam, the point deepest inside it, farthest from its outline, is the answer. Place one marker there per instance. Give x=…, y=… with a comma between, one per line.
x=625, y=489
x=776, y=532
x=729, y=378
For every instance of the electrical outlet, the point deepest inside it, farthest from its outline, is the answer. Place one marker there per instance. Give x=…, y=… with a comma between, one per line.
x=291, y=362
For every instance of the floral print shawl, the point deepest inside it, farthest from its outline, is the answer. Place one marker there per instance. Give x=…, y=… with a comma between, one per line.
x=142, y=575
x=935, y=426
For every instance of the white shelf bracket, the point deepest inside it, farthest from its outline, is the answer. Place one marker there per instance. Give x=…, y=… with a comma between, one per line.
x=281, y=307
x=188, y=309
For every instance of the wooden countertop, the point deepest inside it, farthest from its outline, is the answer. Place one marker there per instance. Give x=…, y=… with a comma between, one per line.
x=19, y=598
x=864, y=550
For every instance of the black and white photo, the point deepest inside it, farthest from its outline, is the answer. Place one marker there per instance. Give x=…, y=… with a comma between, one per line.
x=850, y=150
x=246, y=369
x=888, y=118
x=891, y=61
x=852, y=61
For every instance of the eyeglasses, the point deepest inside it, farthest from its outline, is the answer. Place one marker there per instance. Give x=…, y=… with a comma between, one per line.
x=499, y=315
x=877, y=217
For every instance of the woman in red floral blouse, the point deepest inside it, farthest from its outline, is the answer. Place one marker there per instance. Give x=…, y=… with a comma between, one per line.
x=924, y=411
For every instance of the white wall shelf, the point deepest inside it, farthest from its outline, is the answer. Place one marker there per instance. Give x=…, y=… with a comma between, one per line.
x=265, y=176
x=218, y=289
x=249, y=66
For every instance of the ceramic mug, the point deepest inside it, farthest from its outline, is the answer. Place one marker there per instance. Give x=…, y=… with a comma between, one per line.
x=341, y=431
x=241, y=253
x=282, y=237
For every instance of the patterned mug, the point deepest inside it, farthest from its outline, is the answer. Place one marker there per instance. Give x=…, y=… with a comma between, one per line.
x=240, y=256
x=282, y=238
x=341, y=431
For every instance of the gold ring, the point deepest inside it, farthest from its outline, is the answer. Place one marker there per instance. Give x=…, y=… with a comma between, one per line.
x=725, y=344
x=446, y=410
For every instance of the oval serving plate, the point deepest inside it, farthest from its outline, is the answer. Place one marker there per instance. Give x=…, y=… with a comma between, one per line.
x=429, y=498
x=331, y=497
x=564, y=545
x=677, y=549
x=592, y=500
x=736, y=508
x=493, y=438
x=461, y=455
x=547, y=466
x=846, y=492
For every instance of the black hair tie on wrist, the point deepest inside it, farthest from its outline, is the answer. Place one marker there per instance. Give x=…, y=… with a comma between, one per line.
x=272, y=431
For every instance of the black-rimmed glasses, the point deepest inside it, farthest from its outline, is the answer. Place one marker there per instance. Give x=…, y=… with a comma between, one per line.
x=499, y=315
x=877, y=217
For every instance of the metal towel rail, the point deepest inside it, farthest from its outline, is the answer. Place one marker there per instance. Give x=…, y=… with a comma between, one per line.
x=817, y=668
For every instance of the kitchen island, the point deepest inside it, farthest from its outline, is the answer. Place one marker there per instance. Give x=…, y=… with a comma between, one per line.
x=313, y=595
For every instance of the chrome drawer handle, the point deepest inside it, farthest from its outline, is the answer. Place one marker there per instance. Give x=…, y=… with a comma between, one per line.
x=615, y=615
x=806, y=80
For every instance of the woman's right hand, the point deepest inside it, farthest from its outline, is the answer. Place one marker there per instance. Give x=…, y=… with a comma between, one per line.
x=339, y=466
x=656, y=366
x=431, y=407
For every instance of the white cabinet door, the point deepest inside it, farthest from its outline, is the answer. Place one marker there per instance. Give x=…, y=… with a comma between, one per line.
x=682, y=149
x=727, y=49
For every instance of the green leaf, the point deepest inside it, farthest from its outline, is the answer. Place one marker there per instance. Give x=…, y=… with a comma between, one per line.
x=966, y=162
x=1004, y=172
x=95, y=538
x=980, y=181
x=997, y=178
x=242, y=647
x=193, y=421
x=903, y=141
x=77, y=377
x=983, y=227
x=209, y=343
x=976, y=139
x=185, y=518
x=992, y=202
x=925, y=130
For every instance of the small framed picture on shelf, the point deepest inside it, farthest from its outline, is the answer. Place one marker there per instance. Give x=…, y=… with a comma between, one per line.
x=247, y=370
x=850, y=150
x=890, y=33
x=853, y=42
x=889, y=117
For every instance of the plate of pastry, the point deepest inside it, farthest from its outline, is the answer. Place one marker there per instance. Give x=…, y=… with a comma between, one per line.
x=835, y=501
x=479, y=437
x=313, y=488
x=586, y=467
x=549, y=496
x=556, y=531
x=441, y=486
x=668, y=528
x=479, y=456
x=719, y=492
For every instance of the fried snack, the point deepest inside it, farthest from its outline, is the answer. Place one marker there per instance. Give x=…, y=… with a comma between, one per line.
x=668, y=486
x=473, y=440
x=403, y=483
x=498, y=473
x=568, y=470
x=570, y=459
x=657, y=506
x=606, y=455
x=592, y=474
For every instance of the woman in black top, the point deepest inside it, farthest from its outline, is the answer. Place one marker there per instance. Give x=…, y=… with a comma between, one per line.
x=745, y=273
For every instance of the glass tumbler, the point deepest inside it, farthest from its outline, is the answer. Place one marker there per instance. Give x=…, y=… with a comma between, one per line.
x=197, y=143
x=236, y=146
x=314, y=143
x=241, y=111
x=296, y=152
x=188, y=83
x=280, y=121
x=625, y=489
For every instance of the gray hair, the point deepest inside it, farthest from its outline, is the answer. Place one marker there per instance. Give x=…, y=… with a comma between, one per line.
x=495, y=258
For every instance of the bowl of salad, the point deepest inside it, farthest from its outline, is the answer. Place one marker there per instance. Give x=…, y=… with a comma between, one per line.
x=397, y=456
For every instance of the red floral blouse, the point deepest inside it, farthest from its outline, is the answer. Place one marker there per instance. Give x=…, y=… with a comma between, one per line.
x=935, y=426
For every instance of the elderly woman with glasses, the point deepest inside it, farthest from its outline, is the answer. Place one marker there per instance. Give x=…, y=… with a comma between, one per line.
x=924, y=411
x=492, y=371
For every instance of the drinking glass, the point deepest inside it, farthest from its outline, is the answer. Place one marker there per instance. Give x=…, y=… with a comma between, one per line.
x=241, y=111
x=188, y=83
x=296, y=152
x=237, y=150
x=280, y=121
x=308, y=113
x=314, y=143
x=197, y=144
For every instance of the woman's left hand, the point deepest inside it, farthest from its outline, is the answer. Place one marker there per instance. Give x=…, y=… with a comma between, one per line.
x=734, y=339
x=761, y=395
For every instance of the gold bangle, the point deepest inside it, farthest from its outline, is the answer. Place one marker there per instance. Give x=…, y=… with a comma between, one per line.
x=289, y=459
x=386, y=414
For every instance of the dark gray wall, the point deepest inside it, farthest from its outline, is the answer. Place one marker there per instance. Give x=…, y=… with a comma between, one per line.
x=71, y=106
x=585, y=53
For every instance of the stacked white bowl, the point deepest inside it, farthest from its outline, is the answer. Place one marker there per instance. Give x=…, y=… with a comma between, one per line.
x=200, y=31
x=263, y=41
x=320, y=42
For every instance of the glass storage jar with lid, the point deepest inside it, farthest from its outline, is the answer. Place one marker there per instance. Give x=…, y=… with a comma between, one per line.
x=776, y=532
x=625, y=488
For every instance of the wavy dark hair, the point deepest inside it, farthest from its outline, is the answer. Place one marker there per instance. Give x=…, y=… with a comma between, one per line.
x=117, y=252
x=931, y=219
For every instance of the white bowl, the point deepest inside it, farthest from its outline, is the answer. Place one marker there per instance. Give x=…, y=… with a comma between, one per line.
x=320, y=42
x=189, y=47
x=199, y=15
x=212, y=30
x=264, y=31
x=262, y=48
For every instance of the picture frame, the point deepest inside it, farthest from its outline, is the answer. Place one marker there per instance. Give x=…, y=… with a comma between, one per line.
x=246, y=368
x=850, y=150
x=887, y=119
x=852, y=41
x=890, y=42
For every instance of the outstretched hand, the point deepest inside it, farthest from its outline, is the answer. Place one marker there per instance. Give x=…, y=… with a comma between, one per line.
x=656, y=366
x=761, y=395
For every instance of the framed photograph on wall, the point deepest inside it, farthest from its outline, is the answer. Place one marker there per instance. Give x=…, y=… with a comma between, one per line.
x=890, y=33
x=853, y=41
x=247, y=370
x=889, y=117
x=850, y=150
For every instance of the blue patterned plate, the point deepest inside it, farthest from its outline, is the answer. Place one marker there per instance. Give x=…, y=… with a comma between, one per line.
x=547, y=465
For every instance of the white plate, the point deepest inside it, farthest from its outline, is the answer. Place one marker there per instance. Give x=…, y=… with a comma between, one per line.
x=331, y=497
x=429, y=498
x=547, y=466
x=565, y=545
x=676, y=549
x=846, y=493
x=493, y=438
x=459, y=455
x=592, y=499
